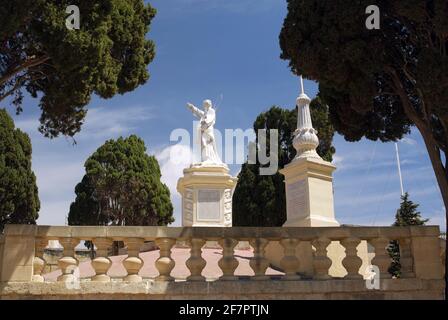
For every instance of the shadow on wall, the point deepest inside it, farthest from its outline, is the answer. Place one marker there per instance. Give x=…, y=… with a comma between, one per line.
x=16, y=263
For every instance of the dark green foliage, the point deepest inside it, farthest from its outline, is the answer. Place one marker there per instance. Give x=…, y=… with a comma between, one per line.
x=19, y=201
x=378, y=83
x=109, y=54
x=407, y=215
x=260, y=200
x=121, y=187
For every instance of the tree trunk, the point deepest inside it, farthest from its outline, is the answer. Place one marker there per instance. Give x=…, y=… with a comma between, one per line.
x=424, y=127
x=442, y=179
x=31, y=62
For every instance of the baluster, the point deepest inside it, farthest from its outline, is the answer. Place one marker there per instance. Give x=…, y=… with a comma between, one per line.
x=406, y=260
x=289, y=263
x=228, y=263
x=133, y=263
x=259, y=263
x=321, y=262
x=196, y=263
x=382, y=259
x=165, y=263
x=351, y=262
x=68, y=263
x=101, y=263
x=39, y=262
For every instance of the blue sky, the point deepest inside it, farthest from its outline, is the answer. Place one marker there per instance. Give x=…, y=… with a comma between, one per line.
x=228, y=48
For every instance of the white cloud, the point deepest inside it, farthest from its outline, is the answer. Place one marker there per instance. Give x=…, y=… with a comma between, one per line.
x=338, y=161
x=100, y=123
x=172, y=160
x=106, y=123
x=409, y=141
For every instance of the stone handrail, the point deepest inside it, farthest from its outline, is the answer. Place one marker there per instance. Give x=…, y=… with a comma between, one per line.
x=23, y=248
x=22, y=259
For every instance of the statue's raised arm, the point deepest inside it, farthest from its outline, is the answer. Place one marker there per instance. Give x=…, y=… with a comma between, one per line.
x=196, y=111
x=207, y=118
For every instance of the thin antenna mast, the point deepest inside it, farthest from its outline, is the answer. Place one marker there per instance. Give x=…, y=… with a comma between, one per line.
x=399, y=169
x=302, y=90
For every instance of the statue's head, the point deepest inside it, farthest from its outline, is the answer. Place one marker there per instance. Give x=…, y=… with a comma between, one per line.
x=207, y=104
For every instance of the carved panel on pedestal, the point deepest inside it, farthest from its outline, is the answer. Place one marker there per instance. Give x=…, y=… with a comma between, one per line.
x=188, y=208
x=209, y=205
x=228, y=208
x=296, y=198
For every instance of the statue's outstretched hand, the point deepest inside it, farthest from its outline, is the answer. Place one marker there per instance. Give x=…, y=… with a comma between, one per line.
x=190, y=106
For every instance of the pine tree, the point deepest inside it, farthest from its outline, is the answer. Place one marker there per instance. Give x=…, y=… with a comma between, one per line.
x=19, y=201
x=121, y=187
x=109, y=54
x=260, y=201
x=407, y=215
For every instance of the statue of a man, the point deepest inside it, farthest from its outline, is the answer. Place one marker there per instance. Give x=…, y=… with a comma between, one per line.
x=207, y=118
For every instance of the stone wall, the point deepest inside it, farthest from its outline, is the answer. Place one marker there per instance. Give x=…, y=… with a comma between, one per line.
x=229, y=290
x=24, y=257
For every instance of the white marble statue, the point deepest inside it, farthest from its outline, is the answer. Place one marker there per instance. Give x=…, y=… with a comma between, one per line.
x=207, y=118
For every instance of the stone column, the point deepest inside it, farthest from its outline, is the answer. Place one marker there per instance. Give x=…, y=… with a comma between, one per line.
x=133, y=263
x=165, y=263
x=68, y=263
x=39, y=262
x=382, y=259
x=101, y=263
x=259, y=263
x=308, y=178
x=196, y=263
x=290, y=263
x=406, y=260
x=228, y=263
x=321, y=262
x=352, y=262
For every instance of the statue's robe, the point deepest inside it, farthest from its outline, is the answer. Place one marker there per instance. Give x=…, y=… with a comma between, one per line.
x=207, y=120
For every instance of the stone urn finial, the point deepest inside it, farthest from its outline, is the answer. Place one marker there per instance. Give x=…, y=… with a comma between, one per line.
x=305, y=137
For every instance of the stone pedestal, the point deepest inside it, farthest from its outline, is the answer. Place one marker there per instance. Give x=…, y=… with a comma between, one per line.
x=206, y=196
x=309, y=193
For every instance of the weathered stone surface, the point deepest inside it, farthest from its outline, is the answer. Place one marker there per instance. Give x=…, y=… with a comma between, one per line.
x=22, y=257
x=150, y=289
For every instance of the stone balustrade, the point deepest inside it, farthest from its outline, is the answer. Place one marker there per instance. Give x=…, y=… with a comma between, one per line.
x=22, y=261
